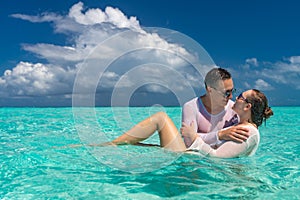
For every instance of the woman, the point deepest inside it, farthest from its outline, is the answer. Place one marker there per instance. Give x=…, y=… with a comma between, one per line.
x=251, y=106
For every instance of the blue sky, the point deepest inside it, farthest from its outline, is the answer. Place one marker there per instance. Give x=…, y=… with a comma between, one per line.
x=44, y=43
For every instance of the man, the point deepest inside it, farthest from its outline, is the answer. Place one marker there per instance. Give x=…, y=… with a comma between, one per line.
x=213, y=111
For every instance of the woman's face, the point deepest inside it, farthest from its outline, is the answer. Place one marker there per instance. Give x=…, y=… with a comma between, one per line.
x=241, y=102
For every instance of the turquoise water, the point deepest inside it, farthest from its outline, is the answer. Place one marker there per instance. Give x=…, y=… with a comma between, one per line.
x=37, y=161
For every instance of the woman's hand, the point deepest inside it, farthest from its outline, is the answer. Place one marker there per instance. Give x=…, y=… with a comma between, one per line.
x=188, y=131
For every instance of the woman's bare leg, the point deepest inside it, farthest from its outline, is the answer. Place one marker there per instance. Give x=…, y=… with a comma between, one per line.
x=168, y=133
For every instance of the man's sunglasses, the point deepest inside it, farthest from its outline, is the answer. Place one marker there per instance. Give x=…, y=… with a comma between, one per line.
x=227, y=93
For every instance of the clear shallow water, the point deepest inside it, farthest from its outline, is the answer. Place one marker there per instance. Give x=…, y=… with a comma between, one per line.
x=36, y=161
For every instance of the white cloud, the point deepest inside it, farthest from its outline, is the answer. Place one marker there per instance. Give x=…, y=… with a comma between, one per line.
x=95, y=35
x=252, y=61
x=28, y=79
x=283, y=73
x=94, y=27
x=46, y=17
x=92, y=16
x=294, y=59
x=109, y=79
x=116, y=17
x=97, y=16
x=268, y=75
x=262, y=85
x=54, y=52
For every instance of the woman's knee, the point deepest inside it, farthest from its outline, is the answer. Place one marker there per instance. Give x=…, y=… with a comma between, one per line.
x=161, y=118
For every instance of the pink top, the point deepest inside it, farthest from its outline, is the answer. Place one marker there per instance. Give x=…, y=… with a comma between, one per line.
x=208, y=125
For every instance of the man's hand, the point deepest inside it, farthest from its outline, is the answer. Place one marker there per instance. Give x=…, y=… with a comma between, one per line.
x=236, y=133
x=188, y=131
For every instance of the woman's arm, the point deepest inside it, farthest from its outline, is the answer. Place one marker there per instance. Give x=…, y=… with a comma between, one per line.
x=229, y=149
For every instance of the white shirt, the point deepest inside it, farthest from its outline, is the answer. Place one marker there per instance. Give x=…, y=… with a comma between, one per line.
x=206, y=124
x=229, y=149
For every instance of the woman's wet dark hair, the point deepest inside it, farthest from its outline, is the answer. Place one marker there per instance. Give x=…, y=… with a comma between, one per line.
x=260, y=110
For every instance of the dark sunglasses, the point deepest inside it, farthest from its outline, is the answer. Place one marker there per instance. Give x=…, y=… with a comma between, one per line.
x=241, y=97
x=227, y=93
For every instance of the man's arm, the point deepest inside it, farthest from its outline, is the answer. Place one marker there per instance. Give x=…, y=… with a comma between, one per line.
x=227, y=150
x=234, y=133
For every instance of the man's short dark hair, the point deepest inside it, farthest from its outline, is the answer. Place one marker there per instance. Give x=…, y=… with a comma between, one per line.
x=213, y=77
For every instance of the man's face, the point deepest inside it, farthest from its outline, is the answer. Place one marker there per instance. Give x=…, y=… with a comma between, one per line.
x=223, y=92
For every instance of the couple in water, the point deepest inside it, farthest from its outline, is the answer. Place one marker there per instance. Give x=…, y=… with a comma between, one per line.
x=212, y=125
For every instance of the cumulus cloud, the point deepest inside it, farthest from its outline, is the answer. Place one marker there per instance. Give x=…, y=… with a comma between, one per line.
x=268, y=75
x=97, y=16
x=93, y=27
x=96, y=37
x=88, y=28
x=28, y=79
x=262, y=85
x=126, y=55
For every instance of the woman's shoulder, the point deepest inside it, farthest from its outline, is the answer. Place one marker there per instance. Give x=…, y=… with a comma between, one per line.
x=252, y=129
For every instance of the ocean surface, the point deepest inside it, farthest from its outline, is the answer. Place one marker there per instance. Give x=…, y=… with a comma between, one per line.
x=44, y=154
